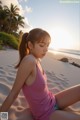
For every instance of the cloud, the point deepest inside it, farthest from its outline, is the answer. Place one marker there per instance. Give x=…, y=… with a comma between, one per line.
x=22, y=10
x=22, y=0
x=28, y=9
x=25, y=0
x=25, y=10
x=8, y=2
x=27, y=26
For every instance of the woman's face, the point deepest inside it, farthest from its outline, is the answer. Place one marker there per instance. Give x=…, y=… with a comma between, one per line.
x=39, y=49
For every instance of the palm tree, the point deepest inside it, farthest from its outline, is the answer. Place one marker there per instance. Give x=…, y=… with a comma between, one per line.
x=10, y=20
x=3, y=17
x=0, y=5
x=19, y=21
x=3, y=20
x=12, y=13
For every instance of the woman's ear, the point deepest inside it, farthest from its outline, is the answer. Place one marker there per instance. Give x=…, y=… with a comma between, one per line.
x=30, y=45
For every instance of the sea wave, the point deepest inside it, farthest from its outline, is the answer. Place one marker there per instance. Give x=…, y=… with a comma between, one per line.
x=68, y=52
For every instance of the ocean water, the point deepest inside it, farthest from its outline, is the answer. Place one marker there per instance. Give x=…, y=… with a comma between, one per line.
x=68, y=52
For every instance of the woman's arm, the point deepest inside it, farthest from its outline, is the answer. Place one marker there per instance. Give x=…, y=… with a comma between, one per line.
x=24, y=71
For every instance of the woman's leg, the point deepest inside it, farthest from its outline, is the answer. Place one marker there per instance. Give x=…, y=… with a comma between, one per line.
x=65, y=99
x=68, y=97
x=64, y=115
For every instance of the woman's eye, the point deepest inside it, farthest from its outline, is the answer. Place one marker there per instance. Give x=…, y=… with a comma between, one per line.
x=41, y=45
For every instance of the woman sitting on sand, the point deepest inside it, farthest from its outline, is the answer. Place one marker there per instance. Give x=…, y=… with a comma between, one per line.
x=33, y=81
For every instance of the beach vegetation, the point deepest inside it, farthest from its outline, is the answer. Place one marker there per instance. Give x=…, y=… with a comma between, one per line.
x=8, y=40
x=1, y=47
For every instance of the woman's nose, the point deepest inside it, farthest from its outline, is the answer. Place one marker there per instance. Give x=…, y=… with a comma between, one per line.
x=46, y=49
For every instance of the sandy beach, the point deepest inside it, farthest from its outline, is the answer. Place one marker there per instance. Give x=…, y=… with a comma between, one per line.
x=61, y=75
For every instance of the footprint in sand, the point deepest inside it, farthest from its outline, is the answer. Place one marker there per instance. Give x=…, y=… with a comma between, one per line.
x=61, y=83
x=10, y=78
x=2, y=72
x=4, y=89
x=10, y=69
x=61, y=74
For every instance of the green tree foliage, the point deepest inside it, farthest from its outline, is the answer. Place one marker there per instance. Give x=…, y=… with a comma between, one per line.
x=10, y=20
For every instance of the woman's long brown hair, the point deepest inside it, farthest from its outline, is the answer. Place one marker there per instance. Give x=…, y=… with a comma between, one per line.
x=22, y=49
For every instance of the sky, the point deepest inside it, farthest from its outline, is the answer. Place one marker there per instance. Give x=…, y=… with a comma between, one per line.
x=61, y=18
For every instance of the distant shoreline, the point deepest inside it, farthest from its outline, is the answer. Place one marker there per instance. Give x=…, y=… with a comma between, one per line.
x=70, y=59
x=69, y=53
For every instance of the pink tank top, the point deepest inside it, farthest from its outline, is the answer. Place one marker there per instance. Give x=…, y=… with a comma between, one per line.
x=40, y=99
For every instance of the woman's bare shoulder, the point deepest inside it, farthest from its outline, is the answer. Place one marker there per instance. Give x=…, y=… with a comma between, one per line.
x=29, y=60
